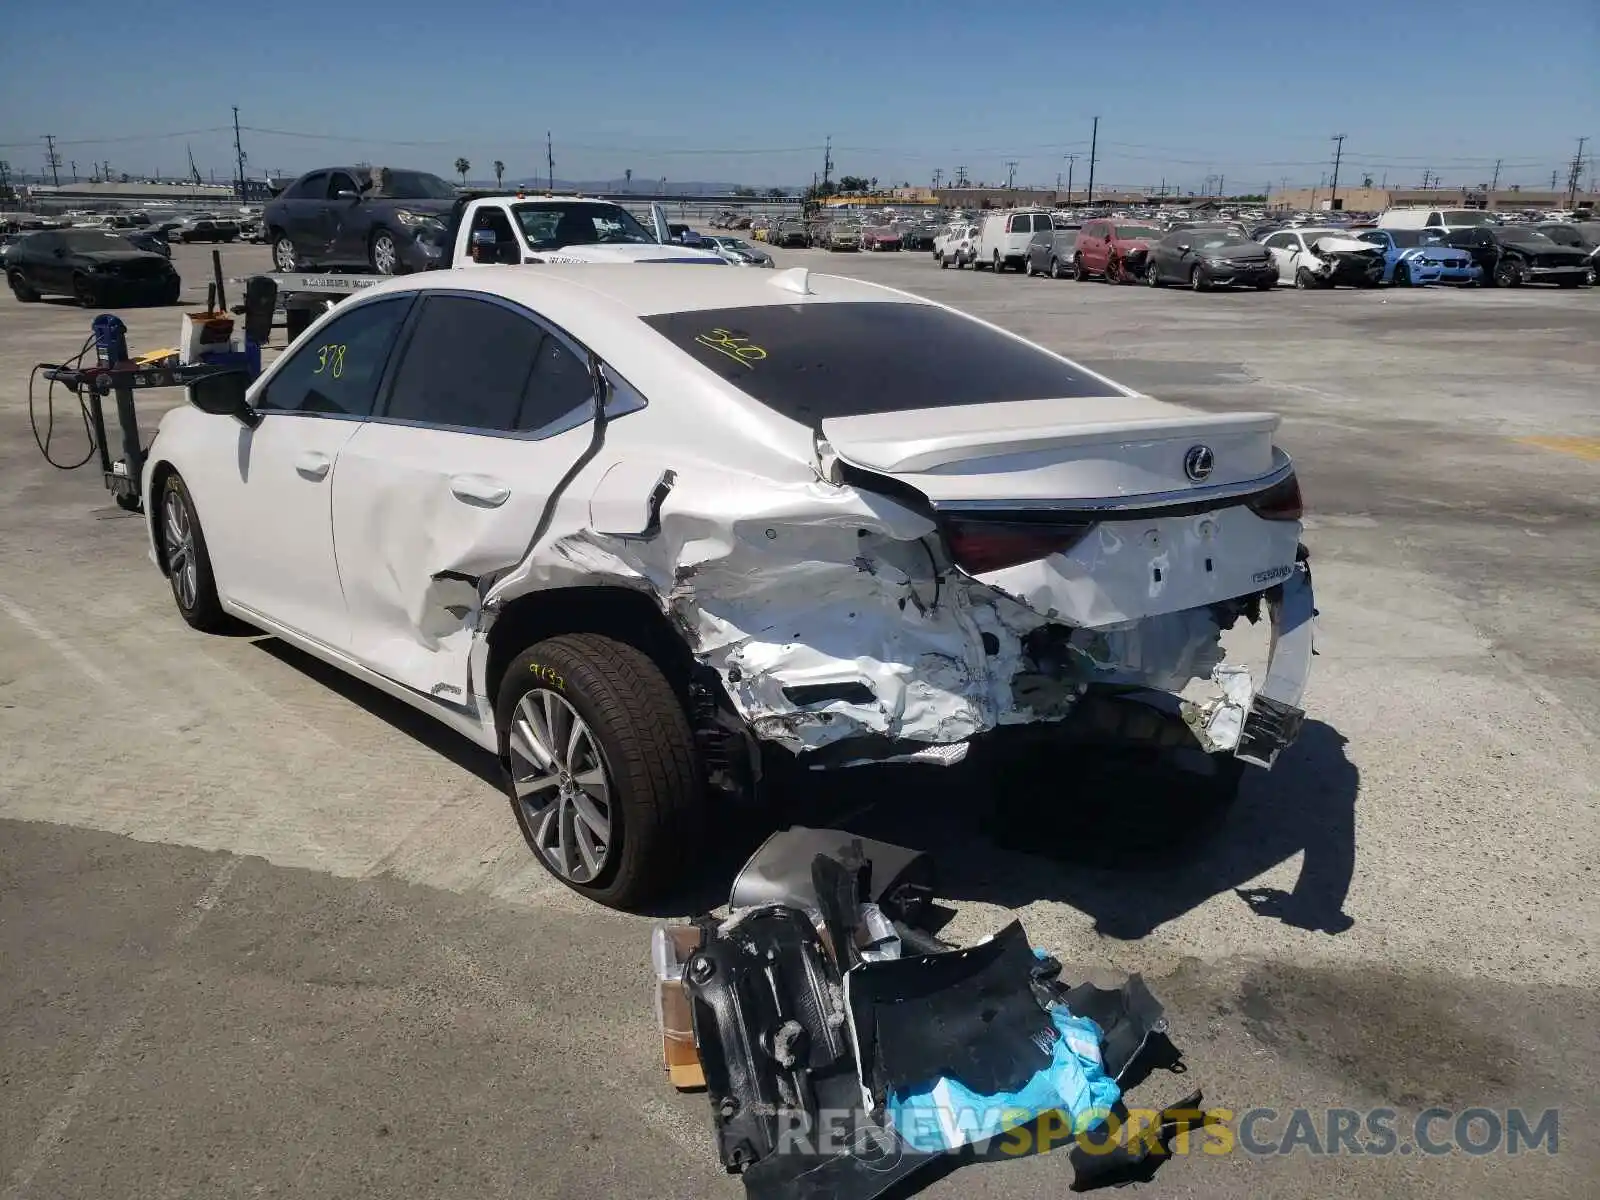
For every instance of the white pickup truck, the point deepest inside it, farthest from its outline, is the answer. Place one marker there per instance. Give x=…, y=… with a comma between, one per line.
x=488, y=229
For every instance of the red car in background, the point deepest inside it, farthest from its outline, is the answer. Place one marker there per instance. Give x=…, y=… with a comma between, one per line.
x=1114, y=250
x=880, y=237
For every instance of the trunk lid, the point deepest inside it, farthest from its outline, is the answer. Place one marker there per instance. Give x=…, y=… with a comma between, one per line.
x=1079, y=449
x=1087, y=510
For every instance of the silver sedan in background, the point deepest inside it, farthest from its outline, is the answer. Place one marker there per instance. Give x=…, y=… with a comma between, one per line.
x=736, y=250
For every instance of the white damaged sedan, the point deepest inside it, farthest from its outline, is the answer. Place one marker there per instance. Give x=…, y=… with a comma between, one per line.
x=638, y=529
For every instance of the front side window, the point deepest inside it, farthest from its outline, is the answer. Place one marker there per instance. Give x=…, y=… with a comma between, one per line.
x=336, y=370
x=474, y=364
x=340, y=182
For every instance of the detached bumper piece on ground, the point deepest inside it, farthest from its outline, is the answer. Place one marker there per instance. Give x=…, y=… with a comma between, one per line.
x=847, y=1050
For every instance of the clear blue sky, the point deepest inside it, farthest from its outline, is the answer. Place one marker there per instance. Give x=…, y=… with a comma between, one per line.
x=746, y=92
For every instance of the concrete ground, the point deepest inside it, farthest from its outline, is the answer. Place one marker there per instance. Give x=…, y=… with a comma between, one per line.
x=267, y=933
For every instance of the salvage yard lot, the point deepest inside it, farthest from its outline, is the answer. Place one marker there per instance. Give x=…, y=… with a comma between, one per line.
x=385, y=995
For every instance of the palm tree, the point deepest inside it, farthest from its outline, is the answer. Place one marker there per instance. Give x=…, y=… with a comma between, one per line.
x=462, y=167
x=499, y=170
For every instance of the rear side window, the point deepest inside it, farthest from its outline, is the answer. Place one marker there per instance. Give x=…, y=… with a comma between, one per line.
x=335, y=372
x=474, y=364
x=811, y=362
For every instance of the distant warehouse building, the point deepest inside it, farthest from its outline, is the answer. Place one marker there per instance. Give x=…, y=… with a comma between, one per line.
x=1363, y=199
x=96, y=194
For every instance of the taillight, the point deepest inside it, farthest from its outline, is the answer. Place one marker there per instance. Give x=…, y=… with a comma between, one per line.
x=980, y=546
x=1280, y=502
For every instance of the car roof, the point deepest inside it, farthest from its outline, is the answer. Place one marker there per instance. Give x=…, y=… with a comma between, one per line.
x=645, y=289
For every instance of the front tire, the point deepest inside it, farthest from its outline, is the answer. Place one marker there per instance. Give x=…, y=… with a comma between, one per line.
x=1055, y=267
x=1507, y=274
x=186, y=559
x=1402, y=274
x=1152, y=277
x=83, y=291
x=20, y=287
x=383, y=254
x=1198, y=281
x=1078, y=271
x=601, y=769
x=1304, y=280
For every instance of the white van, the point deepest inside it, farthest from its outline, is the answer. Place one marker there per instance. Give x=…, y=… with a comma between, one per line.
x=1005, y=237
x=1442, y=219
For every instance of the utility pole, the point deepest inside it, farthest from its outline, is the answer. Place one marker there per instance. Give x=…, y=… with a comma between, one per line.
x=1094, y=146
x=1552, y=181
x=1071, y=159
x=1494, y=184
x=1222, y=185
x=938, y=174
x=1011, y=174
x=549, y=161
x=827, y=163
x=961, y=177
x=238, y=151
x=1338, y=153
x=1425, y=174
x=1577, y=169
x=74, y=165
x=52, y=159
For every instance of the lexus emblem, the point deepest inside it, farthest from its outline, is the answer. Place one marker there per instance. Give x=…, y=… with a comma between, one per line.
x=1198, y=463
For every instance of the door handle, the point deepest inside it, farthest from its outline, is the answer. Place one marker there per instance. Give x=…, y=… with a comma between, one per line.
x=311, y=464
x=481, y=490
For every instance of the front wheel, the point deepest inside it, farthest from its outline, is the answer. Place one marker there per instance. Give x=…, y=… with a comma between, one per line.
x=186, y=559
x=1055, y=268
x=20, y=287
x=1402, y=274
x=1303, y=279
x=83, y=291
x=601, y=769
x=1152, y=277
x=1507, y=275
x=383, y=254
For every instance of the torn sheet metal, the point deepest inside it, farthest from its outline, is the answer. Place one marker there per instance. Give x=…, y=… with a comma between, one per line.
x=831, y=613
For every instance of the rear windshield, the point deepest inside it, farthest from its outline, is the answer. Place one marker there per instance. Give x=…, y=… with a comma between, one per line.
x=811, y=362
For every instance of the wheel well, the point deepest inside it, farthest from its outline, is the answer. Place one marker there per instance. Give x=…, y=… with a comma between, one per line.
x=616, y=612
x=159, y=475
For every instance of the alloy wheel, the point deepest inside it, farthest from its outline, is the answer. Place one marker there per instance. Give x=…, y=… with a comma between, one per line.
x=559, y=772
x=385, y=258
x=283, y=256
x=179, y=538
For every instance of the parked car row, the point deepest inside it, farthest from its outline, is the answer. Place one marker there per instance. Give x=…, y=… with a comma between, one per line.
x=1206, y=255
x=95, y=267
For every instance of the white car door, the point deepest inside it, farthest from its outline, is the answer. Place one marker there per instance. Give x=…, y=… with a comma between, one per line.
x=487, y=412
x=1283, y=248
x=264, y=497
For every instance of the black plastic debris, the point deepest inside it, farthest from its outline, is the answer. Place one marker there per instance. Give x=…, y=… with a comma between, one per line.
x=965, y=1014
x=821, y=995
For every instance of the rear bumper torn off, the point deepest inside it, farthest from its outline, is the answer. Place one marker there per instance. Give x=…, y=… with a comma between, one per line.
x=1256, y=723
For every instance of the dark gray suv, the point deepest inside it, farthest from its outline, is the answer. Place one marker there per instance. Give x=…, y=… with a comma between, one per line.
x=386, y=220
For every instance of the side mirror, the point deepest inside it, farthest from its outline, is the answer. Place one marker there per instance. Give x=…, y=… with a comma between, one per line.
x=223, y=395
x=1183, y=249
x=347, y=194
x=484, y=237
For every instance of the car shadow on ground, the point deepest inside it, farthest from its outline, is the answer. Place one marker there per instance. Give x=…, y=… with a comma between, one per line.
x=1131, y=848
x=441, y=739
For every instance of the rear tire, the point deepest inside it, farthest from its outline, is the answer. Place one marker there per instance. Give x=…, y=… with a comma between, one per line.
x=640, y=758
x=1078, y=272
